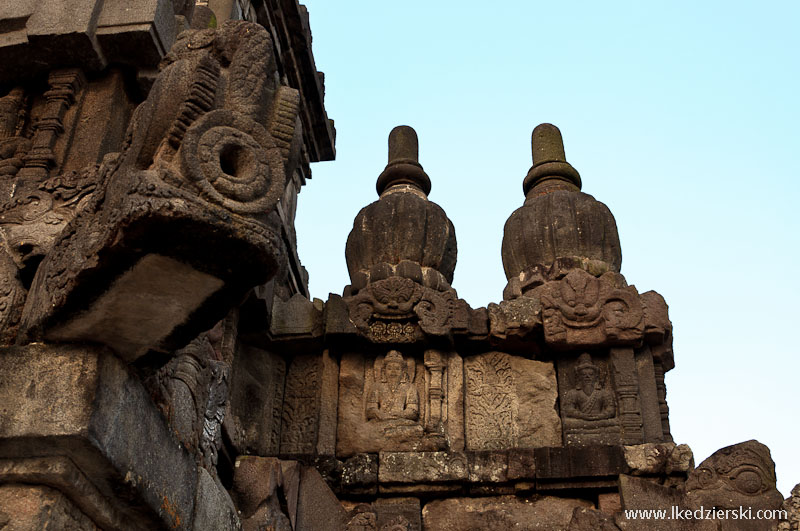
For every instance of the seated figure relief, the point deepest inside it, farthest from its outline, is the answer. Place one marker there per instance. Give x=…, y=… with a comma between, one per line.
x=589, y=400
x=394, y=396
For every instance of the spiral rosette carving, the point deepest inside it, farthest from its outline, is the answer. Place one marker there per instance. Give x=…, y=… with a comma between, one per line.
x=233, y=162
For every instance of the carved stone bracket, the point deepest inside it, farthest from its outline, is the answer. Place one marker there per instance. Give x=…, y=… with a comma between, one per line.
x=400, y=310
x=584, y=310
x=581, y=310
x=200, y=169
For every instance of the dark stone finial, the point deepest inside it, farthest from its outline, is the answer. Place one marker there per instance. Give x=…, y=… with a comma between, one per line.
x=403, y=166
x=403, y=144
x=549, y=162
x=547, y=145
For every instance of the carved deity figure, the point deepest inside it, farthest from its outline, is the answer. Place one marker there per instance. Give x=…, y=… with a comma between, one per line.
x=589, y=400
x=394, y=396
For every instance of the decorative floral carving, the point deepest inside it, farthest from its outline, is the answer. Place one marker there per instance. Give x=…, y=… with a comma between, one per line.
x=492, y=405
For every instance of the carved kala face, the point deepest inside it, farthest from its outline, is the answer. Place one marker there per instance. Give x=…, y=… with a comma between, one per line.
x=738, y=475
x=580, y=295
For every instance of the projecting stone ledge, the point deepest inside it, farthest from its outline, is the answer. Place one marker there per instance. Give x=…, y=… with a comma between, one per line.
x=75, y=419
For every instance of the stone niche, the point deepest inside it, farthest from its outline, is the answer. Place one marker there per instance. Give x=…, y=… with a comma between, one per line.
x=510, y=402
x=589, y=410
x=397, y=401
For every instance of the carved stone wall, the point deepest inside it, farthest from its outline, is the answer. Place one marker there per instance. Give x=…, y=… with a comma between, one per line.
x=510, y=402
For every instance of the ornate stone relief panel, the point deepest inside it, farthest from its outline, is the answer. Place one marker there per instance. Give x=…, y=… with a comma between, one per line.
x=510, y=402
x=589, y=408
x=398, y=402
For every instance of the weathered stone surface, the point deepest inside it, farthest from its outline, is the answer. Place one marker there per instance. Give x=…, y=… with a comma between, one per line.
x=394, y=402
x=291, y=471
x=521, y=464
x=648, y=459
x=213, y=507
x=791, y=521
x=643, y=494
x=657, y=326
x=577, y=462
x=517, y=317
x=308, y=425
x=402, y=310
x=588, y=519
x=681, y=460
x=25, y=507
x=652, y=427
x=192, y=392
x=396, y=514
x=500, y=513
x=488, y=467
x=626, y=387
x=360, y=474
x=59, y=472
x=39, y=36
x=257, y=489
x=422, y=467
x=609, y=503
x=317, y=506
x=742, y=475
x=197, y=169
x=83, y=403
x=296, y=318
x=510, y=402
x=258, y=377
x=557, y=220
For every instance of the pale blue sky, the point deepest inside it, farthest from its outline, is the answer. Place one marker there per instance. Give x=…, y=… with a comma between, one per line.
x=680, y=116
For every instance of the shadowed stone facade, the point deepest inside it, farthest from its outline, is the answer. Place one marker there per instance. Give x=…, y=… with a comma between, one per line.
x=163, y=365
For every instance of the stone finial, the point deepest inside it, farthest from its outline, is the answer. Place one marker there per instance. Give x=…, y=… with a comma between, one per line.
x=558, y=228
x=403, y=166
x=549, y=161
x=403, y=144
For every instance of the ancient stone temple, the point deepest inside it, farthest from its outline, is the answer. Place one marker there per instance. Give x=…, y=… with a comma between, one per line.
x=163, y=365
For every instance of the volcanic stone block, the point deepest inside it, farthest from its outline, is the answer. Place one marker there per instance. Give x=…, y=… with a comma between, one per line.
x=258, y=377
x=488, y=467
x=648, y=396
x=24, y=507
x=360, y=474
x=579, y=462
x=291, y=471
x=147, y=26
x=59, y=472
x=648, y=459
x=214, y=510
x=308, y=424
x=500, y=513
x=398, y=513
x=317, y=505
x=422, y=467
x=83, y=403
x=521, y=464
x=510, y=403
x=257, y=489
x=46, y=34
